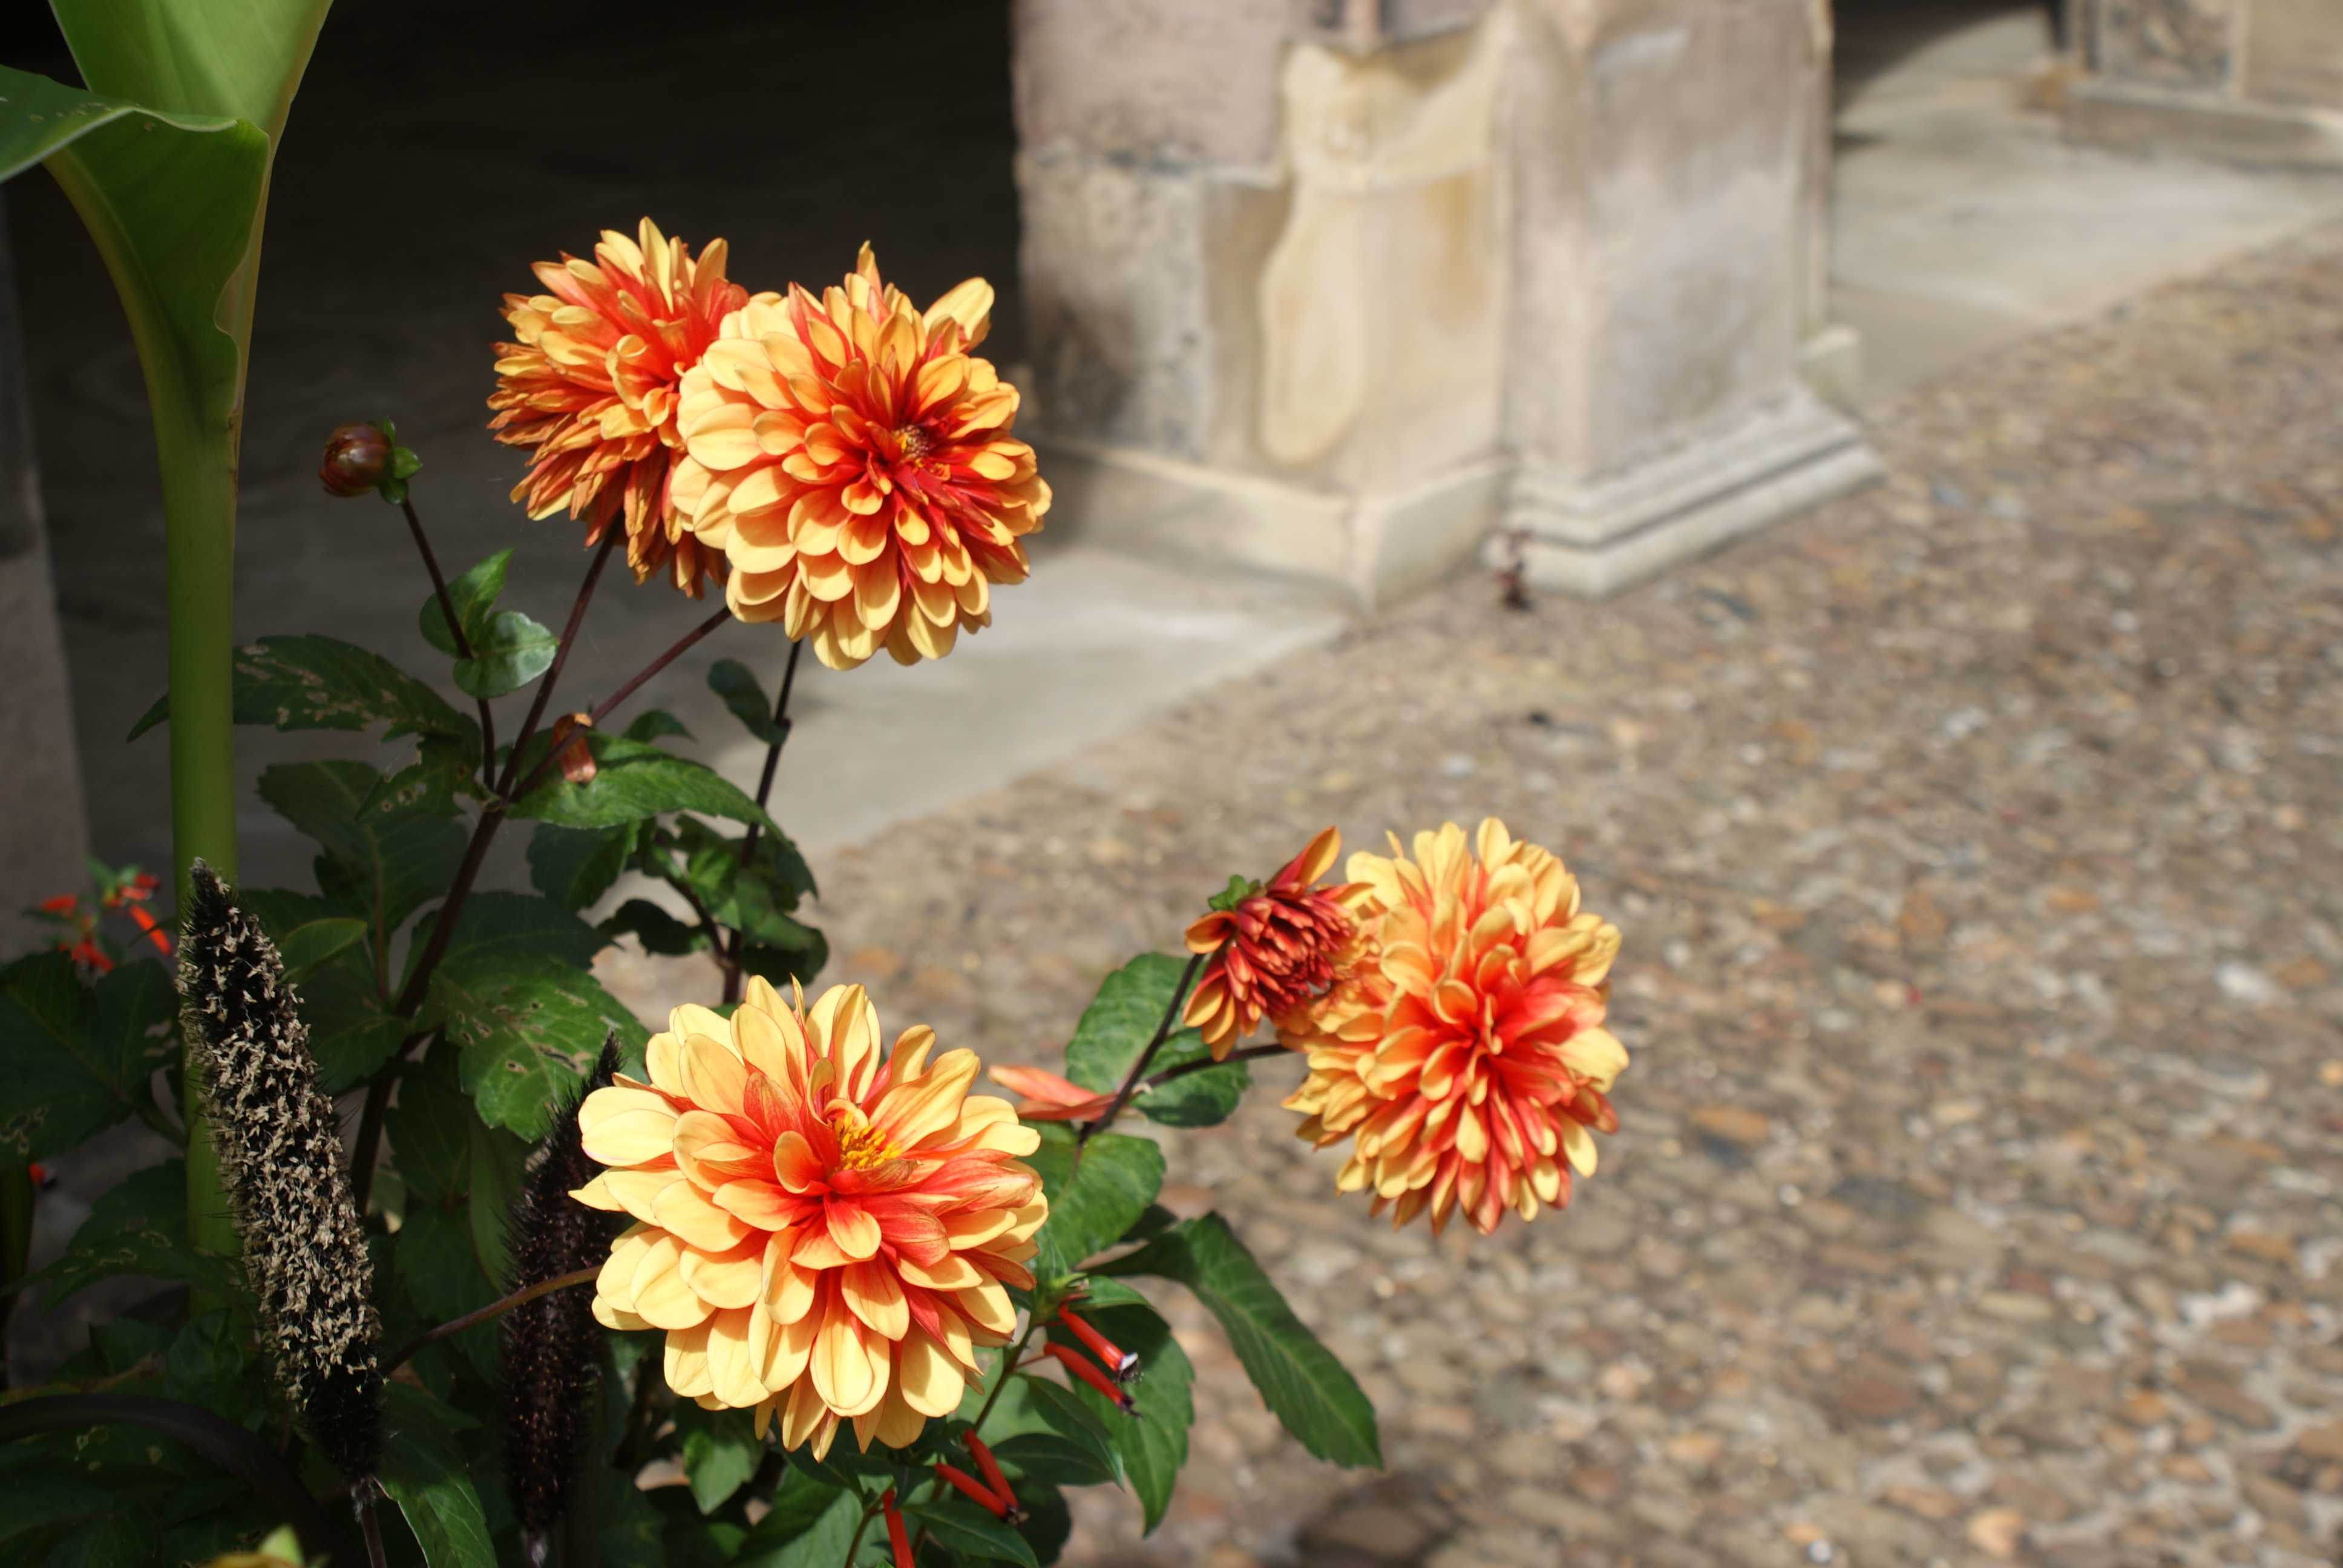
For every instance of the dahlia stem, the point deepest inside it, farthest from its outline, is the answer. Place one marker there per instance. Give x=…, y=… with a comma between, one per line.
x=781, y=728
x=443, y=924
x=609, y=704
x=494, y=1309
x=1139, y=1068
x=560, y=658
x=1206, y=1064
x=603, y=709
x=456, y=631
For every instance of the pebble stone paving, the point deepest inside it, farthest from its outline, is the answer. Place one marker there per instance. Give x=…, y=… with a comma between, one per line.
x=1977, y=845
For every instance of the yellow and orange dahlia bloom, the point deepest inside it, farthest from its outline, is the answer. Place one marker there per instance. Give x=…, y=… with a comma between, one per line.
x=1466, y=1059
x=590, y=386
x=1274, y=951
x=824, y=1231
x=853, y=461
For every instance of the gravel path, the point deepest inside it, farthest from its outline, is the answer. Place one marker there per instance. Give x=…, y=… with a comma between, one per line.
x=1977, y=842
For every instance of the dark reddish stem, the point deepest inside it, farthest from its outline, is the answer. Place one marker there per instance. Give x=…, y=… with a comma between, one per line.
x=454, y=630
x=782, y=726
x=1130, y=1082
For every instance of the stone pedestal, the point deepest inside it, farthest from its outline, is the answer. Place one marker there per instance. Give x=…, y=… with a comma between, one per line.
x=1340, y=289
x=2252, y=81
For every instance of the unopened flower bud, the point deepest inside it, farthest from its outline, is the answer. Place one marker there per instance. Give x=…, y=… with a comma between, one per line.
x=358, y=458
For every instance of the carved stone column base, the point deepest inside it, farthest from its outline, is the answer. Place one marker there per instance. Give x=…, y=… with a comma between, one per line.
x=2127, y=115
x=1592, y=536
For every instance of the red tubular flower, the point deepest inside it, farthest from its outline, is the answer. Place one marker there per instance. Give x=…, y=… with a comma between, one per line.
x=88, y=952
x=975, y=1491
x=895, y=1536
x=985, y=1463
x=1075, y=1362
x=1118, y=1360
x=148, y=924
x=62, y=904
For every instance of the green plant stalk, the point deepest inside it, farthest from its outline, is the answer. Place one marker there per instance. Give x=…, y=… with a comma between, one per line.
x=196, y=437
x=199, y=547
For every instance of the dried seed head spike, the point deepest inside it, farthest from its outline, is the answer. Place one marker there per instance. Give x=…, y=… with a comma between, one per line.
x=280, y=1149
x=552, y=1346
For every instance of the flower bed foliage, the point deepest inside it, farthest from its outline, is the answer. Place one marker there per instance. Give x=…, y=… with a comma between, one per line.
x=491, y=1273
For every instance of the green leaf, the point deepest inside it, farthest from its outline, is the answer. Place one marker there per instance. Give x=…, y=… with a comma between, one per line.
x=306, y=946
x=430, y=1130
x=1299, y=1377
x=654, y=928
x=78, y=1058
x=322, y=683
x=634, y=780
x=956, y=1524
x=386, y=864
x=737, y=684
x=474, y=595
x=788, y=1538
x=575, y=865
x=425, y=1473
x=1096, y=1193
x=1118, y=1024
x=497, y=925
x=654, y=724
x=352, y=1032
x=139, y=1226
x=720, y=1451
x=496, y=1162
x=1057, y=1460
x=1153, y=1446
x=437, y=1270
x=512, y=652
x=441, y=771
x=530, y=1026
x=779, y=965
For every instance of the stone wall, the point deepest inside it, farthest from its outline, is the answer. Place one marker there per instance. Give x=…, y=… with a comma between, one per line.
x=2250, y=80
x=1314, y=285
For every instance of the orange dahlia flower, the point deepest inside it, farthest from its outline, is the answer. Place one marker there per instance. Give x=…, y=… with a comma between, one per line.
x=591, y=389
x=1467, y=1062
x=853, y=460
x=1275, y=949
x=825, y=1233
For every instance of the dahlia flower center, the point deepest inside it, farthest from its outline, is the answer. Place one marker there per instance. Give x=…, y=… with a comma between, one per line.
x=913, y=443
x=860, y=1146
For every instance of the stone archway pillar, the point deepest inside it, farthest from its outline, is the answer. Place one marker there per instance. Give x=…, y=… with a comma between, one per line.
x=1343, y=289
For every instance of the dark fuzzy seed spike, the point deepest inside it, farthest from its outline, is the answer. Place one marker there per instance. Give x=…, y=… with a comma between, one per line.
x=552, y=1346
x=281, y=1158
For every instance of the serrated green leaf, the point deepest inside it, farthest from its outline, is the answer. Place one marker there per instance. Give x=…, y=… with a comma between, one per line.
x=309, y=945
x=956, y=1524
x=1153, y=1446
x=313, y=682
x=441, y=771
x=138, y=1227
x=495, y=1169
x=497, y=925
x=1299, y=1377
x=425, y=1471
x=511, y=651
x=388, y=864
x=575, y=865
x=744, y=698
x=474, y=595
x=530, y=1026
x=634, y=780
x=78, y=1058
x=1118, y=1024
x=1096, y=1192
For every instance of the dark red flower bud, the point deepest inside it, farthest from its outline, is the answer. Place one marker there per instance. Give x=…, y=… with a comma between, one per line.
x=358, y=458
